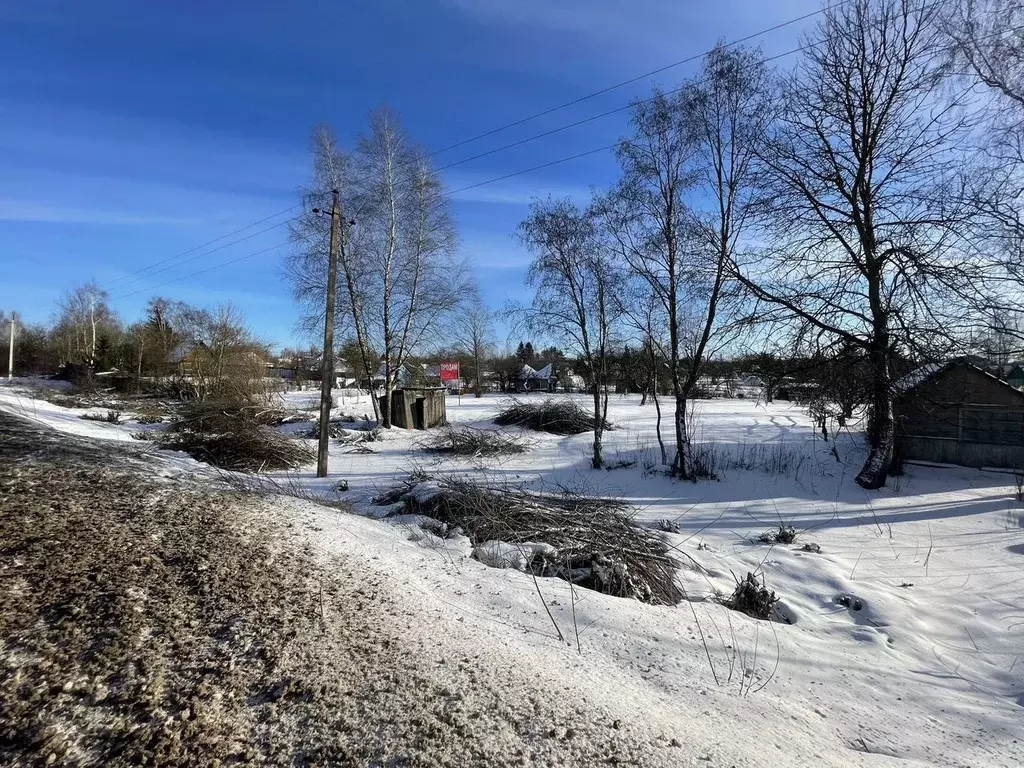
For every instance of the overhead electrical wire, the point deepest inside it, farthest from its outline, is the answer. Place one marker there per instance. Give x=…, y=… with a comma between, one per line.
x=282, y=245
x=492, y=132
x=475, y=157
x=203, y=245
x=637, y=78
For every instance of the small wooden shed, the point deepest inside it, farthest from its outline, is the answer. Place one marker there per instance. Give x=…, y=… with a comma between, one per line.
x=418, y=407
x=957, y=413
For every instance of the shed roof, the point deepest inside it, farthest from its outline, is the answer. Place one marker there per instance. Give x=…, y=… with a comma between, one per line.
x=931, y=371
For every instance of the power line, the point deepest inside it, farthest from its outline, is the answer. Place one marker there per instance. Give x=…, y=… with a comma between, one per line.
x=213, y=250
x=200, y=272
x=203, y=245
x=501, y=128
x=617, y=110
x=446, y=194
x=630, y=81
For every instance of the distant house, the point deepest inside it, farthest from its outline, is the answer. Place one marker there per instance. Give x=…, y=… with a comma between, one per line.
x=408, y=375
x=1015, y=378
x=574, y=382
x=748, y=385
x=530, y=380
x=957, y=413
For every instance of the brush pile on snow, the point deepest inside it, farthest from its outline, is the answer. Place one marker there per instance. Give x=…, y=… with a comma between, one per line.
x=466, y=441
x=233, y=435
x=559, y=417
x=589, y=541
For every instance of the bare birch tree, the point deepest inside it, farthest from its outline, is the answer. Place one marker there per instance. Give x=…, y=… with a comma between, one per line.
x=864, y=202
x=473, y=329
x=83, y=315
x=306, y=266
x=407, y=232
x=682, y=208
x=647, y=218
x=399, y=276
x=574, y=284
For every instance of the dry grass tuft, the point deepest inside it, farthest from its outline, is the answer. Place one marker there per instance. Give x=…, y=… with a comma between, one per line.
x=784, y=534
x=753, y=598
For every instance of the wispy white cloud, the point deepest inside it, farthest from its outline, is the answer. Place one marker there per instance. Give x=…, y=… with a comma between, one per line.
x=34, y=211
x=491, y=251
x=42, y=138
x=517, y=191
x=72, y=198
x=642, y=32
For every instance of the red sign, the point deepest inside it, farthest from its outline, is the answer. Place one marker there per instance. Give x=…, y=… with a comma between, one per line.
x=449, y=371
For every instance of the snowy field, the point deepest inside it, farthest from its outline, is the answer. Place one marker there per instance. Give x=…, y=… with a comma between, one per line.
x=906, y=631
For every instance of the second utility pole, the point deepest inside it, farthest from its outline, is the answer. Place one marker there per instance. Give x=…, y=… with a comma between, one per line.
x=10, y=352
x=328, y=357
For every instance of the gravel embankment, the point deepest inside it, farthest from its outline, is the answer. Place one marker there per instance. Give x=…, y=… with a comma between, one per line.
x=154, y=622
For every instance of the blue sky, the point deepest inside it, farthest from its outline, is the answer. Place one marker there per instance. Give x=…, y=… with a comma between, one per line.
x=133, y=131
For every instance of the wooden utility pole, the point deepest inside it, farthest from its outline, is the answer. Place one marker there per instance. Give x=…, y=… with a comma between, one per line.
x=10, y=352
x=328, y=356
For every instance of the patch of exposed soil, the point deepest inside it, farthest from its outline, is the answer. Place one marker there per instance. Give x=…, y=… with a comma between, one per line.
x=154, y=623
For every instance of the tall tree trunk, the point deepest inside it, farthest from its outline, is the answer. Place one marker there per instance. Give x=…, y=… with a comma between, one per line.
x=479, y=379
x=681, y=466
x=657, y=426
x=881, y=426
x=598, y=458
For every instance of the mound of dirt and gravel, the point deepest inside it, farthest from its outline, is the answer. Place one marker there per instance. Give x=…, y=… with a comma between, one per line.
x=146, y=621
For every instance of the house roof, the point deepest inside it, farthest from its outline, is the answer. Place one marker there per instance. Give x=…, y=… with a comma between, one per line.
x=1017, y=372
x=930, y=371
x=528, y=372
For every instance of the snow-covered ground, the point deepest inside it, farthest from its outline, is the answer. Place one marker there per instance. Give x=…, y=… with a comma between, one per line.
x=929, y=670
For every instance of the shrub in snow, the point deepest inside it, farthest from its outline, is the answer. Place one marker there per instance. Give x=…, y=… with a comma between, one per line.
x=110, y=417
x=784, y=534
x=559, y=417
x=752, y=597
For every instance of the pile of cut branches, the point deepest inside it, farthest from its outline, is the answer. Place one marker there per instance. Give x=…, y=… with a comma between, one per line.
x=233, y=434
x=559, y=417
x=336, y=428
x=222, y=415
x=589, y=541
x=466, y=441
x=250, y=449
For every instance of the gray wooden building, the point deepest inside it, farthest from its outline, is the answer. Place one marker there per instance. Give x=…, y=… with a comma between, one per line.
x=418, y=407
x=957, y=413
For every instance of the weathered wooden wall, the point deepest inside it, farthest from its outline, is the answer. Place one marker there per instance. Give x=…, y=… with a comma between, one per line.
x=962, y=416
x=418, y=408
